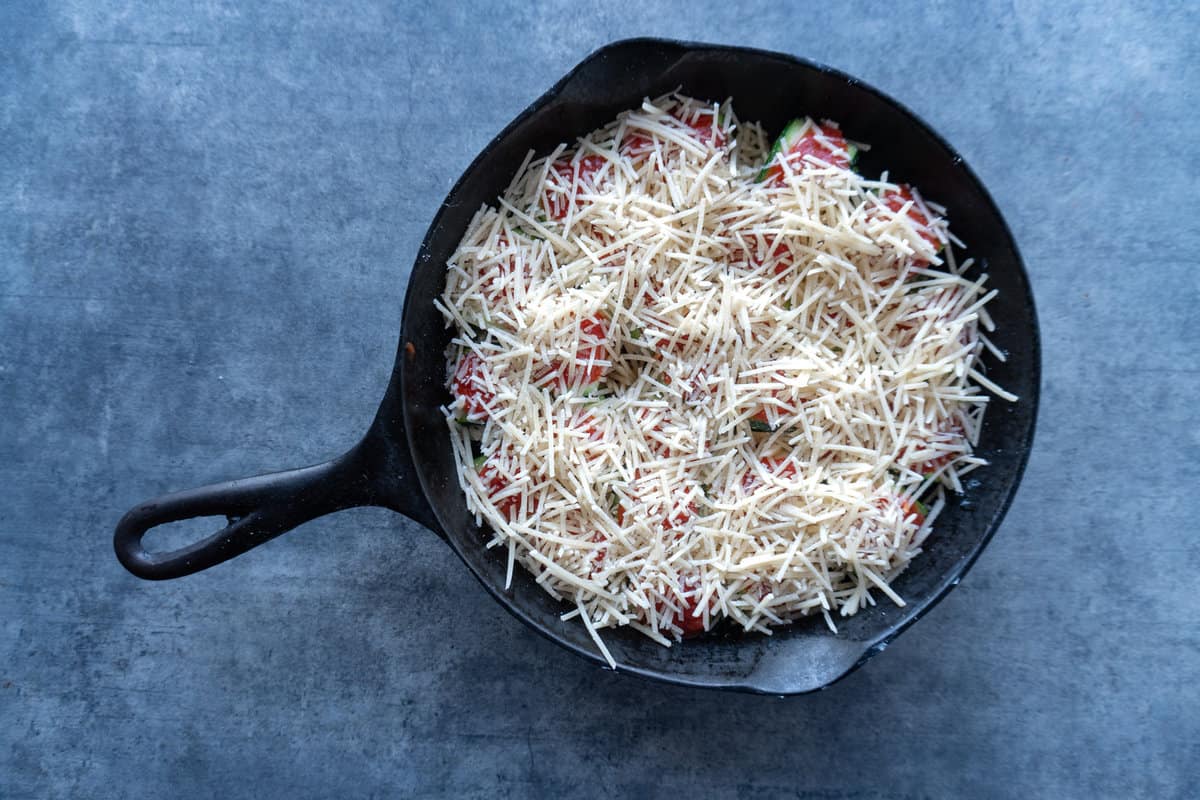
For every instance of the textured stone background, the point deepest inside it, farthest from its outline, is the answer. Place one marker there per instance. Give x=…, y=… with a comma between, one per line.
x=208, y=210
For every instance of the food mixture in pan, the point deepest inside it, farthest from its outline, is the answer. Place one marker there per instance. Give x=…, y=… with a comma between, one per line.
x=699, y=377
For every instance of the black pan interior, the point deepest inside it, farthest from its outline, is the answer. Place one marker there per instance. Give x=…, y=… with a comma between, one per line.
x=770, y=88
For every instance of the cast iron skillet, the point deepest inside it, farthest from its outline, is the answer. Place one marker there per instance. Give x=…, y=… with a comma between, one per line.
x=404, y=462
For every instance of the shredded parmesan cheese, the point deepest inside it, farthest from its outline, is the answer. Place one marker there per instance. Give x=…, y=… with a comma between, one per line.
x=685, y=393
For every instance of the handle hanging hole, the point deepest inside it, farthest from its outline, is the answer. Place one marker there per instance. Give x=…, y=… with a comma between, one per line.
x=175, y=535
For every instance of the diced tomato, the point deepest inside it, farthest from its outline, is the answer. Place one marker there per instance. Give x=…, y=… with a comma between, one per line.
x=701, y=124
x=589, y=166
x=584, y=370
x=832, y=149
x=934, y=464
x=895, y=200
x=840, y=321
x=677, y=346
x=567, y=179
x=694, y=387
x=679, y=516
x=470, y=391
x=495, y=481
x=636, y=146
x=687, y=614
x=588, y=425
x=780, y=467
x=691, y=619
x=705, y=126
x=909, y=506
x=782, y=257
x=600, y=554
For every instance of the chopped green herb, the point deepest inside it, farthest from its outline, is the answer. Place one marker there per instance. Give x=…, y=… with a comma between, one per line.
x=480, y=461
x=636, y=333
x=760, y=426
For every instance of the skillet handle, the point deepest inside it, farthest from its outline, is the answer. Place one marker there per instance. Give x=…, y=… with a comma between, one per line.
x=258, y=509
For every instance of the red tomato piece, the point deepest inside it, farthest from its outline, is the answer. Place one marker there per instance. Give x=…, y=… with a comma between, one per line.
x=600, y=554
x=823, y=141
x=782, y=257
x=470, y=390
x=780, y=467
x=679, y=516
x=567, y=177
x=679, y=345
x=838, y=320
x=691, y=619
x=704, y=126
x=495, y=481
x=687, y=616
x=909, y=506
x=636, y=146
x=934, y=464
x=584, y=370
x=585, y=422
x=895, y=200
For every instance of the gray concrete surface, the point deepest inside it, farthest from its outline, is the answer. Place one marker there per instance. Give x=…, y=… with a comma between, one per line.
x=207, y=215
